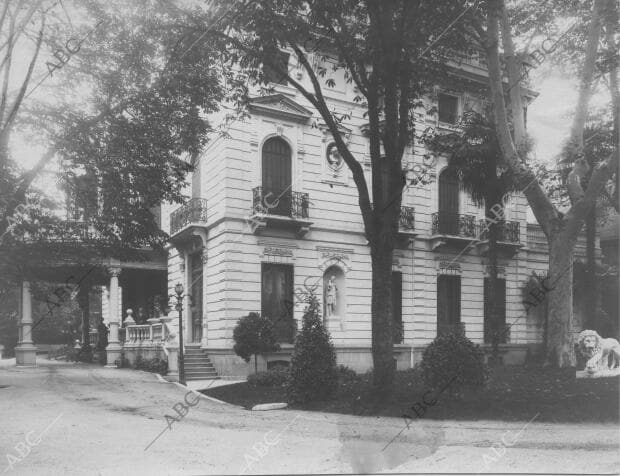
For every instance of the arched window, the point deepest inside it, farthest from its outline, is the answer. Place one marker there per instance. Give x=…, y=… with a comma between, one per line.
x=276, y=190
x=448, y=202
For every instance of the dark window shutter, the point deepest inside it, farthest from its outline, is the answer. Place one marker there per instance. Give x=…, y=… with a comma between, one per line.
x=448, y=303
x=448, y=202
x=277, y=298
x=277, y=176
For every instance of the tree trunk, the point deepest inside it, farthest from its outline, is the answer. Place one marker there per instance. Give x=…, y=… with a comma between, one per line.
x=560, y=351
x=590, y=302
x=382, y=338
x=492, y=296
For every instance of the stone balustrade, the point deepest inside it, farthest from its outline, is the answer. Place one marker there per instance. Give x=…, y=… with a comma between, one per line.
x=145, y=340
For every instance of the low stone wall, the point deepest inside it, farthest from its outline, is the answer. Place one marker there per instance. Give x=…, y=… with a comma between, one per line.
x=227, y=363
x=131, y=352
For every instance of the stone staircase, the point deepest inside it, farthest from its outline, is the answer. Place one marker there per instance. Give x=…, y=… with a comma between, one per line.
x=197, y=364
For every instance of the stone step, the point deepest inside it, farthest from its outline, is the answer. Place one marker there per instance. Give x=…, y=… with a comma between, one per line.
x=200, y=376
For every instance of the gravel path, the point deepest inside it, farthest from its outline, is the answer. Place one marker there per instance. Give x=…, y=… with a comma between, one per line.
x=78, y=419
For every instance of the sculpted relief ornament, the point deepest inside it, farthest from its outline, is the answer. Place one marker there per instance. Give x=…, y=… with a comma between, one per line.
x=603, y=355
x=333, y=157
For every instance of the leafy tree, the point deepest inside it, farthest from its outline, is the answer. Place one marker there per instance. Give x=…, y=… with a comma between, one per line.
x=314, y=375
x=393, y=52
x=561, y=229
x=254, y=335
x=133, y=131
x=475, y=156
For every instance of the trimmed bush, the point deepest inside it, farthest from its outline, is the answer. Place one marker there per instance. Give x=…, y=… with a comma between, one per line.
x=155, y=365
x=254, y=335
x=453, y=356
x=313, y=364
x=275, y=377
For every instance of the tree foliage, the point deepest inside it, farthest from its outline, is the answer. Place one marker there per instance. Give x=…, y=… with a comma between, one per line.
x=253, y=335
x=313, y=374
x=125, y=113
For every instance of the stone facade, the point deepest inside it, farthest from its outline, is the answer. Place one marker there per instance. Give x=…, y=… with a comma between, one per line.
x=234, y=241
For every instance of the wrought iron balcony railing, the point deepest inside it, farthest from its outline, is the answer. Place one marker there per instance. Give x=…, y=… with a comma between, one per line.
x=509, y=231
x=454, y=224
x=194, y=211
x=288, y=203
x=62, y=232
x=407, y=218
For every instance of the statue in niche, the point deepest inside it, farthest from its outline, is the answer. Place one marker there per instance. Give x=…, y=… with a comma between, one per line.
x=331, y=291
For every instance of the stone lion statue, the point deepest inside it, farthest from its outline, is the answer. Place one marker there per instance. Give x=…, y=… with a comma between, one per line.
x=598, y=351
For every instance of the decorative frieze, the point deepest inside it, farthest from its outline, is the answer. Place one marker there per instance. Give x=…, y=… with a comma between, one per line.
x=273, y=251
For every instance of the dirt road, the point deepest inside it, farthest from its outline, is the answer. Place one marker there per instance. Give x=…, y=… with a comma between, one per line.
x=79, y=419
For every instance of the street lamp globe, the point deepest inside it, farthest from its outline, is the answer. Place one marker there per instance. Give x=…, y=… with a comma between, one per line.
x=178, y=288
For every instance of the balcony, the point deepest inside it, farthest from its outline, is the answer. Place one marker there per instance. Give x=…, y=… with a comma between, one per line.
x=508, y=241
x=62, y=232
x=452, y=229
x=283, y=210
x=185, y=220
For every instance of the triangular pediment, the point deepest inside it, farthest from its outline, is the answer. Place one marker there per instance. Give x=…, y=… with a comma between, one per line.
x=278, y=105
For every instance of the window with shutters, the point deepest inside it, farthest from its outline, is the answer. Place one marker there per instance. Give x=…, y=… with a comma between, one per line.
x=277, y=299
x=448, y=304
x=276, y=190
x=448, y=108
x=448, y=202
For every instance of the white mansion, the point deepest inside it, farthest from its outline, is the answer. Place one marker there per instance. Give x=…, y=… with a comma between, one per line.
x=273, y=211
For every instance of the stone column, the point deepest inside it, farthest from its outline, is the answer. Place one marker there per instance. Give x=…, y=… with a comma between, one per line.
x=113, y=350
x=26, y=351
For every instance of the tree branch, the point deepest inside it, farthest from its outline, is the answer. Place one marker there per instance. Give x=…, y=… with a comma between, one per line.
x=541, y=206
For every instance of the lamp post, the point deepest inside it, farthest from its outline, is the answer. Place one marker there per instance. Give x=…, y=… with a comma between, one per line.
x=178, y=289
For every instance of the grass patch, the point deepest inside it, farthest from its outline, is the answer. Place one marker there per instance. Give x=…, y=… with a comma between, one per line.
x=512, y=393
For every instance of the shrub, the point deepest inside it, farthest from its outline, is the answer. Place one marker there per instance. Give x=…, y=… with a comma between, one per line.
x=450, y=356
x=313, y=364
x=254, y=335
x=346, y=375
x=155, y=365
x=275, y=377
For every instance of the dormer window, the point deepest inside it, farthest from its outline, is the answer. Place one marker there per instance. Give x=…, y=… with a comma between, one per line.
x=271, y=75
x=448, y=108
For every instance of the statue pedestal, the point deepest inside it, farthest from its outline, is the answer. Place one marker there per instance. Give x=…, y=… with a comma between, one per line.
x=598, y=373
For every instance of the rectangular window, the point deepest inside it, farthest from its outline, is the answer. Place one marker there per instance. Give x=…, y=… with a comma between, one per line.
x=397, y=307
x=501, y=308
x=448, y=304
x=273, y=76
x=277, y=299
x=448, y=108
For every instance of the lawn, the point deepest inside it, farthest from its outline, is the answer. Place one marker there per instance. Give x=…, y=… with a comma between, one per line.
x=511, y=393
